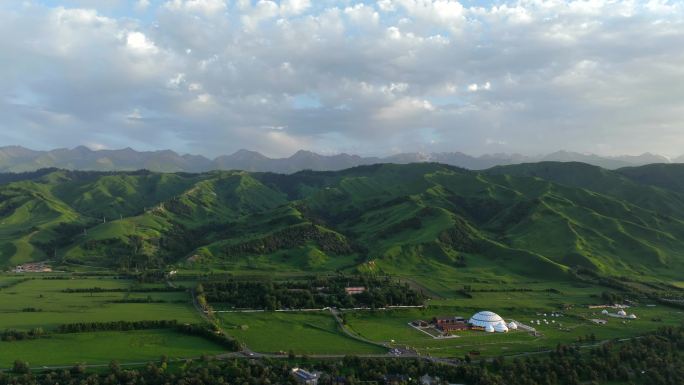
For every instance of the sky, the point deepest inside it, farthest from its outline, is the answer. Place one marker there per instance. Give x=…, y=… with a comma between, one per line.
x=366, y=77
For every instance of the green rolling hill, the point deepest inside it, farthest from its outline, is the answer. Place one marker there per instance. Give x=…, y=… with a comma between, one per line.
x=536, y=221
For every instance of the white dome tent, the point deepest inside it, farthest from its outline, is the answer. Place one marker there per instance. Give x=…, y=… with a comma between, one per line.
x=512, y=325
x=501, y=328
x=489, y=321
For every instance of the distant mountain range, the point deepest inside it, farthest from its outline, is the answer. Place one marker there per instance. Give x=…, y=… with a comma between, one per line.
x=20, y=159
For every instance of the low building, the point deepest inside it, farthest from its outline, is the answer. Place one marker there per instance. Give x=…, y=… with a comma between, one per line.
x=354, y=290
x=620, y=314
x=447, y=324
x=35, y=267
x=396, y=379
x=305, y=377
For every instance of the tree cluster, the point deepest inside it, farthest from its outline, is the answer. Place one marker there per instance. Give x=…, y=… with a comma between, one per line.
x=18, y=335
x=96, y=289
x=82, y=327
x=315, y=293
x=290, y=238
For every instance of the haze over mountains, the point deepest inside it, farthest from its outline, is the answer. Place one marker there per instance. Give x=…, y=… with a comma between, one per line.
x=20, y=159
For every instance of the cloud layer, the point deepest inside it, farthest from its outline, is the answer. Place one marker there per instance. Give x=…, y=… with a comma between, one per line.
x=213, y=76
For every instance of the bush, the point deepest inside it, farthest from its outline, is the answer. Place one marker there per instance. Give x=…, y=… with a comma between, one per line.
x=20, y=367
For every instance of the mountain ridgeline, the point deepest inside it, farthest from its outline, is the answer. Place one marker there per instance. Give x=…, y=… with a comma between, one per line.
x=20, y=159
x=535, y=221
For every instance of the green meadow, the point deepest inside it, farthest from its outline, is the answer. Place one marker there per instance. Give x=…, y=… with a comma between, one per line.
x=54, y=307
x=524, y=307
x=28, y=302
x=103, y=347
x=302, y=333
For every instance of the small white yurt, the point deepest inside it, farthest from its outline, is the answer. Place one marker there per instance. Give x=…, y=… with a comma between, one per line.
x=489, y=328
x=512, y=325
x=501, y=327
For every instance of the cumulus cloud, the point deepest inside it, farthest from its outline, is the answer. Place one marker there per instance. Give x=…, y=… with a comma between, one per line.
x=142, y=5
x=474, y=87
x=207, y=7
x=213, y=76
x=138, y=42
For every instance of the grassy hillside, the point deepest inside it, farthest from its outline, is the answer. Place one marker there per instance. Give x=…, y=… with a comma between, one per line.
x=617, y=184
x=525, y=221
x=667, y=176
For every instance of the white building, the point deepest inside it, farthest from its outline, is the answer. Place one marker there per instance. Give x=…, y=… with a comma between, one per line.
x=489, y=321
x=305, y=377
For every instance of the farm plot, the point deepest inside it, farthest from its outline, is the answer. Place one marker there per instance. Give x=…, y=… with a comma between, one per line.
x=44, y=303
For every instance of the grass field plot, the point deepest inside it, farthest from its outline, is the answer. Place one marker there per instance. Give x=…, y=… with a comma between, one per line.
x=44, y=303
x=103, y=347
x=303, y=333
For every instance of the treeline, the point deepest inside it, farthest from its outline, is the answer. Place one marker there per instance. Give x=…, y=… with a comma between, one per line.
x=85, y=327
x=124, y=290
x=141, y=300
x=656, y=359
x=470, y=289
x=312, y=293
x=10, y=335
x=212, y=333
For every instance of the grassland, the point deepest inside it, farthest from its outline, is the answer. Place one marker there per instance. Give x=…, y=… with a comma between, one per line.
x=387, y=326
x=56, y=307
x=523, y=301
x=103, y=347
x=28, y=302
x=302, y=333
x=311, y=333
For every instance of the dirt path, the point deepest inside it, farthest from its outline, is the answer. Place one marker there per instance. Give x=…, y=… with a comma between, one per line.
x=336, y=314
